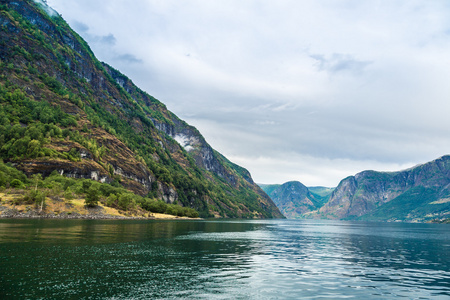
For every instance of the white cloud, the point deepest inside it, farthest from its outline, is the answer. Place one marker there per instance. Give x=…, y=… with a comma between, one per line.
x=50, y=11
x=311, y=171
x=340, y=63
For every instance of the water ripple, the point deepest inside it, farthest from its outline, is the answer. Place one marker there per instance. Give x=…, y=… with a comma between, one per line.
x=224, y=260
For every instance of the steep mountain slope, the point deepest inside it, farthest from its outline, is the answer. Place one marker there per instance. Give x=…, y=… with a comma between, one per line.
x=62, y=110
x=416, y=194
x=294, y=199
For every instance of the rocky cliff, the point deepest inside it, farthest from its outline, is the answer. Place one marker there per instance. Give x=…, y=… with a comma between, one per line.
x=63, y=110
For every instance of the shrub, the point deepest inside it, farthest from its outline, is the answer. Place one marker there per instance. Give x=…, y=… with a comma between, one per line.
x=125, y=201
x=192, y=213
x=34, y=196
x=16, y=183
x=68, y=194
x=171, y=210
x=86, y=185
x=155, y=206
x=111, y=201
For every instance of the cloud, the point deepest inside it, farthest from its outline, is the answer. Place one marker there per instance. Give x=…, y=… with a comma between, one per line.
x=340, y=63
x=43, y=4
x=309, y=170
x=130, y=58
x=303, y=90
x=108, y=40
x=83, y=29
x=80, y=27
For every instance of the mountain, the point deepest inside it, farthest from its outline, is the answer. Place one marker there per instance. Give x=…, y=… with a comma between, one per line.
x=420, y=193
x=295, y=200
x=64, y=111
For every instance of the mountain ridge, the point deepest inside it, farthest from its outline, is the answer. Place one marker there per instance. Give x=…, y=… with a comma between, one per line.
x=416, y=194
x=365, y=195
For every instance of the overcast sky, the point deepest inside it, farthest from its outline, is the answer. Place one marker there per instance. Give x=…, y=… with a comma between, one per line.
x=312, y=91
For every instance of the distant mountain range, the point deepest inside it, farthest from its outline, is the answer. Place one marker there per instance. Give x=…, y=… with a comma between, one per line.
x=421, y=193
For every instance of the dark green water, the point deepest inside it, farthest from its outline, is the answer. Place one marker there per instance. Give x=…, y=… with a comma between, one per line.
x=275, y=259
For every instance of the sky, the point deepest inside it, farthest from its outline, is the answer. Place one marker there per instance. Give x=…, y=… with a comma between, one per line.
x=307, y=90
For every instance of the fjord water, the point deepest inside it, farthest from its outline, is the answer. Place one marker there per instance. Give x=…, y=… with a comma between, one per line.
x=223, y=259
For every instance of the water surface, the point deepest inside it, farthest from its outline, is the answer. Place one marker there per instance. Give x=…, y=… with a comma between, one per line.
x=264, y=259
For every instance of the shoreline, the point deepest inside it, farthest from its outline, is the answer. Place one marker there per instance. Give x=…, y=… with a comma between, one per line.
x=75, y=210
x=61, y=208
x=11, y=213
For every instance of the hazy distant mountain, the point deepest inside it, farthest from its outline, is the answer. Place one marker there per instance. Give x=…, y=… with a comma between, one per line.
x=295, y=200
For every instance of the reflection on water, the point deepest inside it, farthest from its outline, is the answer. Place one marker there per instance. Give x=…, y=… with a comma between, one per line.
x=275, y=259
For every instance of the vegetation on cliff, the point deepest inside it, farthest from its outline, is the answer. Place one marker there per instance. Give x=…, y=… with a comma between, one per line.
x=62, y=110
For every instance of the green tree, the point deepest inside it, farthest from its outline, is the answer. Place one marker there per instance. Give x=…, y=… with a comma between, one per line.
x=92, y=196
x=39, y=199
x=33, y=148
x=68, y=193
x=36, y=179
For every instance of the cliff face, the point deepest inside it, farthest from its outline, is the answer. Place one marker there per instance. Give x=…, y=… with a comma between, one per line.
x=419, y=193
x=95, y=123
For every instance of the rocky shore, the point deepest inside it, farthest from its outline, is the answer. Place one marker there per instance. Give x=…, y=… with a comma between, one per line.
x=95, y=213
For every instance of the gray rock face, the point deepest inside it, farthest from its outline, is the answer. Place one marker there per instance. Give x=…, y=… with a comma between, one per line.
x=145, y=180
x=167, y=193
x=340, y=199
